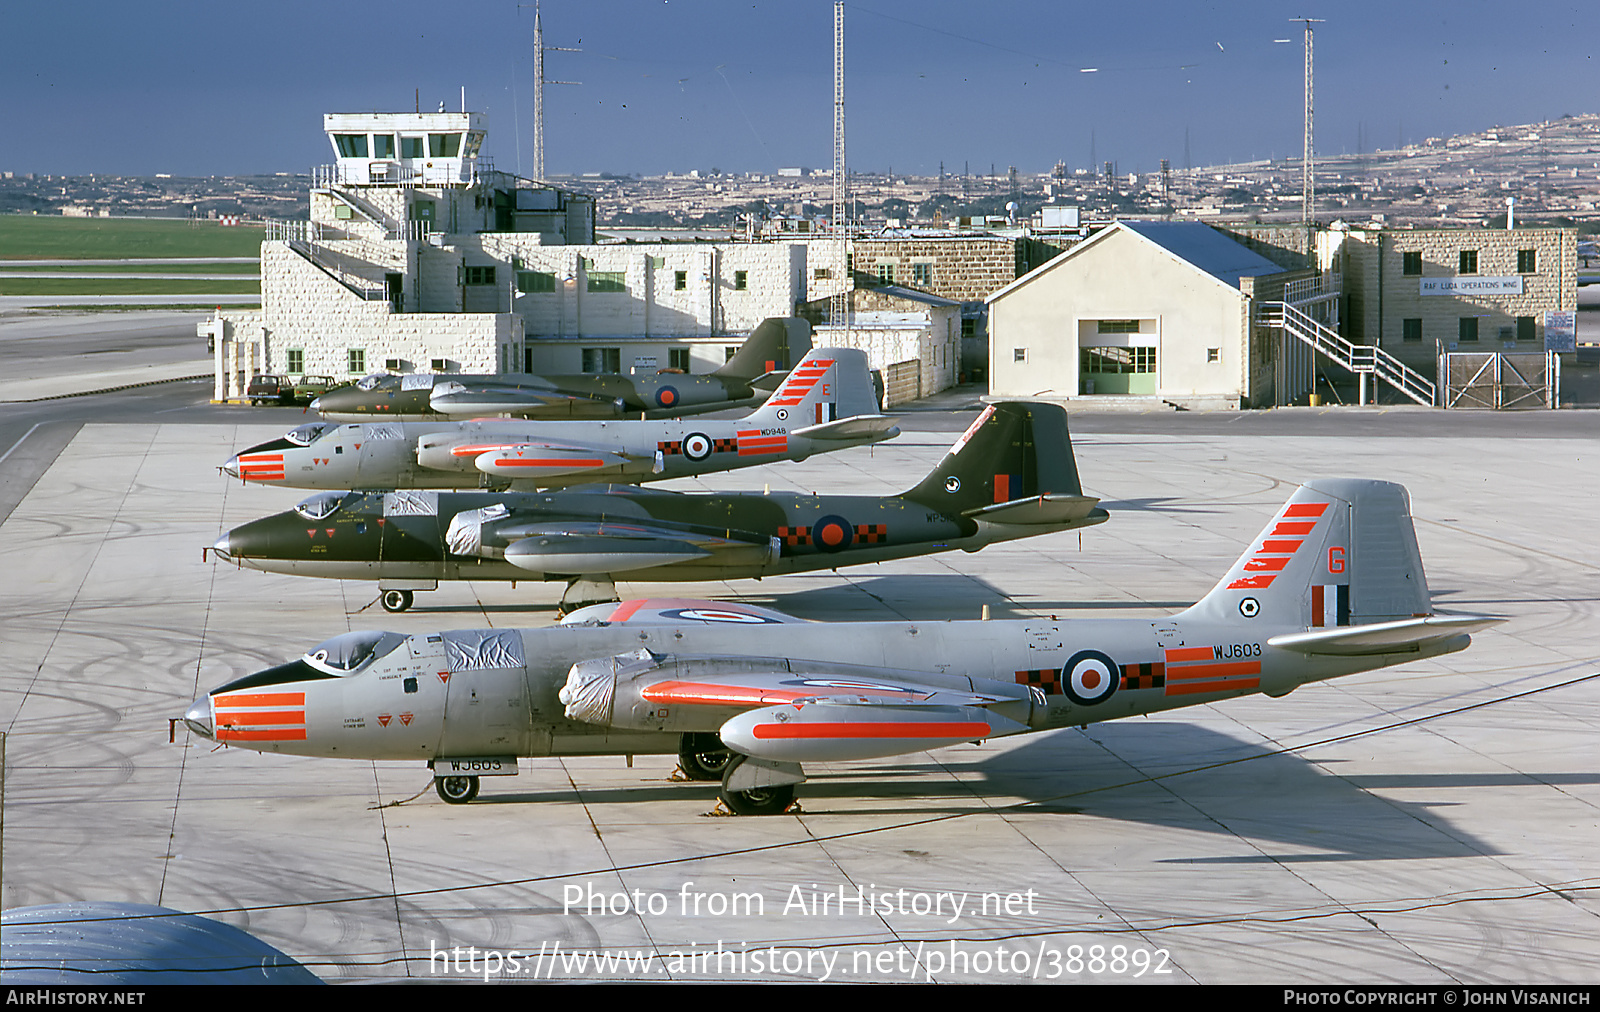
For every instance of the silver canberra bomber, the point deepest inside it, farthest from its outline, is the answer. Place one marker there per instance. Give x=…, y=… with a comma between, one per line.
x=826, y=403
x=1333, y=585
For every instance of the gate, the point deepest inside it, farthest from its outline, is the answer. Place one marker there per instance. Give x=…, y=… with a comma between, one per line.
x=1478, y=379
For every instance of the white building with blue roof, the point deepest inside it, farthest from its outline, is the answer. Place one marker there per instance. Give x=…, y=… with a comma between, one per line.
x=1149, y=313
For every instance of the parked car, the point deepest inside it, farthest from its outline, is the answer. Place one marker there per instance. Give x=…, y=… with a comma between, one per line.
x=267, y=389
x=311, y=387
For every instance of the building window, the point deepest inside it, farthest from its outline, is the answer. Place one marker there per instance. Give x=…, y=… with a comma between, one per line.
x=969, y=327
x=383, y=145
x=1468, y=330
x=297, y=361
x=480, y=275
x=680, y=280
x=822, y=273
x=1118, y=360
x=1525, y=326
x=1411, y=263
x=607, y=281
x=886, y=274
x=1468, y=262
x=1527, y=261
x=741, y=280
x=536, y=281
x=922, y=274
x=351, y=145
x=357, y=361
x=678, y=358
x=1118, y=326
x=729, y=352
x=443, y=145
x=411, y=147
x=602, y=360
x=1411, y=330
x=1019, y=354
x=1213, y=354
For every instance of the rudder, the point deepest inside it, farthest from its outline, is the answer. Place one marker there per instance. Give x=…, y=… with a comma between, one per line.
x=1014, y=450
x=776, y=344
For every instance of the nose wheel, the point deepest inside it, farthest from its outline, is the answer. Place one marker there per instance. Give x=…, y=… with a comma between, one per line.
x=456, y=790
x=398, y=600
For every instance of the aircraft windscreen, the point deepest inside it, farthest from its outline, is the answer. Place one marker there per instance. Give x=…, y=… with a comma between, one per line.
x=347, y=654
x=371, y=382
x=322, y=506
x=305, y=435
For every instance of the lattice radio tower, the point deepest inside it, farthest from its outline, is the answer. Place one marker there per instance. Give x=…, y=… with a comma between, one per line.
x=839, y=308
x=1308, y=200
x=539, y=49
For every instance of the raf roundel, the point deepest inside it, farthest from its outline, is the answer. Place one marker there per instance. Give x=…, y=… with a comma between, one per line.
x=1089, y=677
x=1249, y=607
x=697, y=446
x=667, y=397
x=832, y=534
x=952, y=484
x=783, y=414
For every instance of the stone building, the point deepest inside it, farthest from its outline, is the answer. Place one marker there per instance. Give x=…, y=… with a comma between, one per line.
x=419, y=256
x=1146, y=313
x=911, y=338
x=1415, y=292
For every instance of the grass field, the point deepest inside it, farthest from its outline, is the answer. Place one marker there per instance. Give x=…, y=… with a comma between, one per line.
x=42, y=237
x=124, y=286
x=206, y=268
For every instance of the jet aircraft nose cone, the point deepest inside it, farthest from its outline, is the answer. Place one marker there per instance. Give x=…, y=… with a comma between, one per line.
x=315, y=405
x=231, y=468
x=221, y=547
x=198, y=718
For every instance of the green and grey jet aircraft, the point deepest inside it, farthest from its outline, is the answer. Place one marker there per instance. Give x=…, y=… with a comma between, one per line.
x=747, y=378
x=1011, y=475
x=1333, y=585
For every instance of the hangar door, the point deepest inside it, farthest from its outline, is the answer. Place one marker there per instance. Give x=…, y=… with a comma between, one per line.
x=1117, y=357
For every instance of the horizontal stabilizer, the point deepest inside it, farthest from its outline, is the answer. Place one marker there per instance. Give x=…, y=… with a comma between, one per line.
x=858, y=427
x=1040, y=509
x=458, y=399
x=1382, y=637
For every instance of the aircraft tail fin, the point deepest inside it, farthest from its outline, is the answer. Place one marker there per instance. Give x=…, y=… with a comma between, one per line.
x=1014, y=451
x=775, y=345
x=1340, y=553
x=827, y=385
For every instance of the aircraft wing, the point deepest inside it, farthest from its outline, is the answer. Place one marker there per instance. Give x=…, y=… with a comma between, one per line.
x=540, y=460
x=855, y=427
x=1382, y=637
x=598, y=547
x=678, y=610
x=792, y=711
x=455, y=398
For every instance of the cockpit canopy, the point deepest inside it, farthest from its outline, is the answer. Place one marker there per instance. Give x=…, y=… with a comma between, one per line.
x=373, y=381
x=305, y=435
x=349, y=653
x=321, y=506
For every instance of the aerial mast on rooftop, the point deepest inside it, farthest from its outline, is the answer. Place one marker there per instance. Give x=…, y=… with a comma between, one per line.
x=1307, y=176
x=839, y=309
x=539, y=49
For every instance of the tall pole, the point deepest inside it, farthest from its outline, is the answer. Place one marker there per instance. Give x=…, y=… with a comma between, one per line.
x=839, y=310
x=1308, y=200
x=538, y=95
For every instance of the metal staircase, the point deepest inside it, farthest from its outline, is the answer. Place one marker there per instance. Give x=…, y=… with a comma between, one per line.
x=1361, y=359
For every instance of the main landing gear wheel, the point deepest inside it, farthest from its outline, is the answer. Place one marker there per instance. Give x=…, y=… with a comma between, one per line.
x=396, y=600
x=702, y=756
x=773, y=800
x=456, y=790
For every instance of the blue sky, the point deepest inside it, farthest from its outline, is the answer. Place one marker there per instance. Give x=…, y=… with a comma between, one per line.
x=197, y=88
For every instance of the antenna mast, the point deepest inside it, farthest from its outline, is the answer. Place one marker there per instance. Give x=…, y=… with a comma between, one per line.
x=839, y=310
x=1308, y=200
x=539, y=49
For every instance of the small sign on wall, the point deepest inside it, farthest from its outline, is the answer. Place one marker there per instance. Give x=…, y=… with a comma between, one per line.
x=1472, y=286
x=1560, y=330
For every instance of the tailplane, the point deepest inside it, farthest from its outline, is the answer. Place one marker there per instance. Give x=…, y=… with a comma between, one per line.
x=829, y=384
x=1013, y=465
x=1340, y=561
x=775, y=345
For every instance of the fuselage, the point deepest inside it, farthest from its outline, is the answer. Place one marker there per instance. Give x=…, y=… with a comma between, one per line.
x=466, y=535
x=425, y=396
x=523, y=454
x=495, y=693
